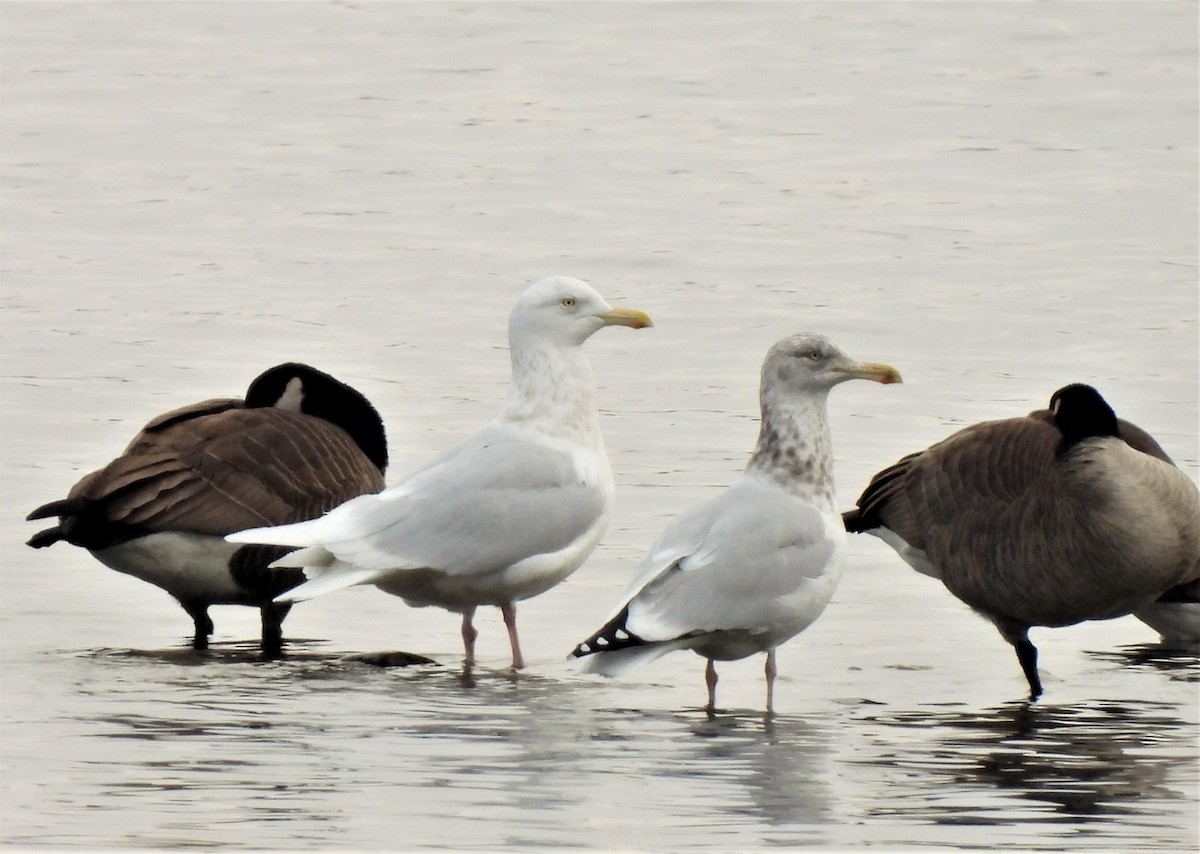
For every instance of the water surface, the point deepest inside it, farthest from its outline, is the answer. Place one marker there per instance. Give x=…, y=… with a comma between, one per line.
x=997, y=199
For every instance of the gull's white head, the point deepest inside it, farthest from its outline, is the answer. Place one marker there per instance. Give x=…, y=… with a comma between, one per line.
x=566, y=312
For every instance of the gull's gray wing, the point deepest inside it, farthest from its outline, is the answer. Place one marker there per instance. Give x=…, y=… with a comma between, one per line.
x=727, y=564
x=496, y=499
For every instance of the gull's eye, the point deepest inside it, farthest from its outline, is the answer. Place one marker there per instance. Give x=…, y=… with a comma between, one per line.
x=568, y=302
x=813, y=355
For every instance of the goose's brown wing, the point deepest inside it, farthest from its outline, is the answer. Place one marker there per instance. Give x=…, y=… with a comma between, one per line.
x=225, y=469
x=975, y=475
x=1133, y=435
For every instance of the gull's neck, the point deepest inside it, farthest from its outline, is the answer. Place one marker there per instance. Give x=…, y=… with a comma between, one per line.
x=553, y=393
x=795, y=449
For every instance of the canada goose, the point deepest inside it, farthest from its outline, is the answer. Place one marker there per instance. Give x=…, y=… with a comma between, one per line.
x=300, y=443
x=756, y=565
x=1048, y=520
x=502, y=517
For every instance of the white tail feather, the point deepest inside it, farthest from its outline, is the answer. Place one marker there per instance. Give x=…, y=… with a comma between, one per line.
x=322, y=581
x=618, y=662
x=297, y=534
x=314, y=557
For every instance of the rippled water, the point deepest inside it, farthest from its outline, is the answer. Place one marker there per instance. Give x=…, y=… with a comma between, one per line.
x=997, y=199
x=174, y=748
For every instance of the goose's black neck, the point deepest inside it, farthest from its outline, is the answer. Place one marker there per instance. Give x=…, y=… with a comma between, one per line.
x=1081, y=413
x=305, y=389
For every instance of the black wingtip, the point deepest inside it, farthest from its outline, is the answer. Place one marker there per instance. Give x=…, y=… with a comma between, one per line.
x=615, y=635
x=48, y=537
x=859, y=522
x=55, y=508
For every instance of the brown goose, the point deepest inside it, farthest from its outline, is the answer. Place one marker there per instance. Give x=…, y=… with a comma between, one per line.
x=300, y=443
x=1061, y=516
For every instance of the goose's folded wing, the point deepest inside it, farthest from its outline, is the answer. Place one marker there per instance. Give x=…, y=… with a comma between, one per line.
x=958, y=484
x=1130, y=433
x=227, y=470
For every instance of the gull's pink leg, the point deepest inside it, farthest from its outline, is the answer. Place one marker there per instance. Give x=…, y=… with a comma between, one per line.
x=469, y=633
x=710, y=679
x=771, y=673
x=509, y=610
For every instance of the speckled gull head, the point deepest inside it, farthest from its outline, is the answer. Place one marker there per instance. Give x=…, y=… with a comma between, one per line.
x=794, y=444
x=566, y=312
x=806, y=362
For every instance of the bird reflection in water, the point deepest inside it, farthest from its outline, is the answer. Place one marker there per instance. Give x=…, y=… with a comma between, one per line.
x=1083, y=761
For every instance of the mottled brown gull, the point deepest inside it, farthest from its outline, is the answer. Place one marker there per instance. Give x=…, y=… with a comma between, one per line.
x=1048, y=520
x=300, y=443
x=756, y=565
x=502, y=517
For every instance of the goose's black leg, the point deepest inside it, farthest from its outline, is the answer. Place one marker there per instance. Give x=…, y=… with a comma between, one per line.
x=272, y=628
x=204, y=627
x=1027, y=654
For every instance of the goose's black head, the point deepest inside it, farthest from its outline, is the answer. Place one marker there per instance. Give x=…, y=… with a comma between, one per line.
x=301, y=388
x=1080, y=413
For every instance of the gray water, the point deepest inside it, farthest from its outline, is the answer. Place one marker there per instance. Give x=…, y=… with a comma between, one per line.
x=996, y=198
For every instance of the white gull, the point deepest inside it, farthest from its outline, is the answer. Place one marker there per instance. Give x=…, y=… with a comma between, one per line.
x=502, y=517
